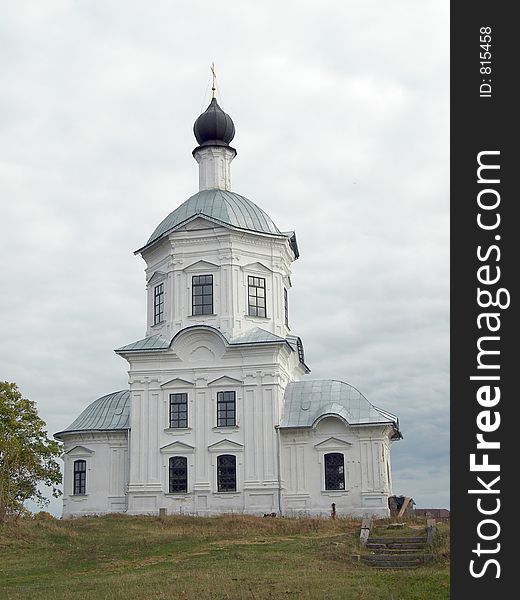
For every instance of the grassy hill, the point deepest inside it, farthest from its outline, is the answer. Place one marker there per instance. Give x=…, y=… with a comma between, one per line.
x=226, y=558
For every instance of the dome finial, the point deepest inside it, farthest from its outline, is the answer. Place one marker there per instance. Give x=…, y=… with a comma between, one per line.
x=214, y=75
x=214, y=130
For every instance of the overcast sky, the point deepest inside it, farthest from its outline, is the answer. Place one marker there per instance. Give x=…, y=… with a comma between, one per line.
x=341, y=116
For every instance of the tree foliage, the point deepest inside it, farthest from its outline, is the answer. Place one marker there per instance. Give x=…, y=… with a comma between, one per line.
x=27, y=455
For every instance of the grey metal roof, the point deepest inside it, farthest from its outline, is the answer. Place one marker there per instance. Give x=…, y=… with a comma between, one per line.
x=108, y=413
x=221, y=206
x=256, y=335
x=307, y=401
x=153, y=342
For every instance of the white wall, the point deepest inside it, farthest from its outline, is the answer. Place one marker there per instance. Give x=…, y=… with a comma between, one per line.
x=202, y=248
x=200, y=364
x=106, y=455
x=365, y=451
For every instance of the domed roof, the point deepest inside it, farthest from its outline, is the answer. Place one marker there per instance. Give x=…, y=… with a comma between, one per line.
x=108, y=413
x=221, y=206
x=305, y=402
x=214, y=126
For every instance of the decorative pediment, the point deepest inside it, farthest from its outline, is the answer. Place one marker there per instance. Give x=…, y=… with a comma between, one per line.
x=226, y=446
x=79, y=451
x=201, y=222
x=202, y=265
x=333, y=443
x=179, y=447
x=257, y=266
x=225, y=380
x=177, y=382
x=157, y=277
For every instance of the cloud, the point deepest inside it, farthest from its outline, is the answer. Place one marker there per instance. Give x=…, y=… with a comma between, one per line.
x=341, y=112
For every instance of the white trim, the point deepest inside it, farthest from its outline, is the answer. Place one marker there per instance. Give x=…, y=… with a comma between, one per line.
x=226, y=447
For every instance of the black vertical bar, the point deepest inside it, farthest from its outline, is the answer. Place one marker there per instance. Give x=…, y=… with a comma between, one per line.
x=484, y=120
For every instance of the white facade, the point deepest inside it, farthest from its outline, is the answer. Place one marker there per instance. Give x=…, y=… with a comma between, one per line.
x=214, y=420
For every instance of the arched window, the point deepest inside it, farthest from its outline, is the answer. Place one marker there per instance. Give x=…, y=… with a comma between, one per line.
x=226, y=473
x=80, y=477
x=334, y=471
x=178, y=475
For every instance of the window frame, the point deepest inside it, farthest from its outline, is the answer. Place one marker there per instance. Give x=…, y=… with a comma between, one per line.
x=171, y=468
x=327, y=472
x=79, y=484
x=195, y=287
x=254, y=294
x=222, y=399
x=158, y=303
x=226, y=489
x=171, y=417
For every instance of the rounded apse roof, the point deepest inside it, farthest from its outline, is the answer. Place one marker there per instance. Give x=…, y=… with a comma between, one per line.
x=222, y=206
x=108, y=413
x=305, y=402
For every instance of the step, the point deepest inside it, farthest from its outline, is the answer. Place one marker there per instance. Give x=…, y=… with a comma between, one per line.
x=395, y=567
x=397, y=551
x=396, y=557
x=397, y=540
x=395, y=546
x=387, y=562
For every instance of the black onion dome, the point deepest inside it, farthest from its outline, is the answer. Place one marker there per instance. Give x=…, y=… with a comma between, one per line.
x=214, y=126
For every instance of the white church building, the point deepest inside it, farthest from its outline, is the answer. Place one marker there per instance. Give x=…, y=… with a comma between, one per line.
x=221, y=414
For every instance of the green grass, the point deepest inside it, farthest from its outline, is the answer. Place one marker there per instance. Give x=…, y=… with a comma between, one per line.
x=185, y=558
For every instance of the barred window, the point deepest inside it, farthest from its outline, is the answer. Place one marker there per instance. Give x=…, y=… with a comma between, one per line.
x=226, y=473
x=256, y=296
x=226, y=409
x=178, y=471
x=178, y=410
x=334, y=471
x=158, y=303
x=202, y=295
x=286, y=306
x=80, y=477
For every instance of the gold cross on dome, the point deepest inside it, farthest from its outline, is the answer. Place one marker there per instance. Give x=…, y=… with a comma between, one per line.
x=213, y=87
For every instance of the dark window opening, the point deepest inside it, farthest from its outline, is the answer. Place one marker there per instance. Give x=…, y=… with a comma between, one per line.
x=334, y=471
x=286, y=306
x=158, y=303
x=226, y=473
x=178, y=467
x=202, y=295
x=256, y=297
x=301, y=354
x=226, y=409
x=178, y=410
x=80, y=477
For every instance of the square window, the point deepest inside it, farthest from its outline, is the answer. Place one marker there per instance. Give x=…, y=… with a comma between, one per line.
x=202, y=294
x=178, y=411
x=256, y=297
x=226, y=409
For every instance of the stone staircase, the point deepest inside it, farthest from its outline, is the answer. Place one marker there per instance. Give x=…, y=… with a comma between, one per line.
x=396, y=552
